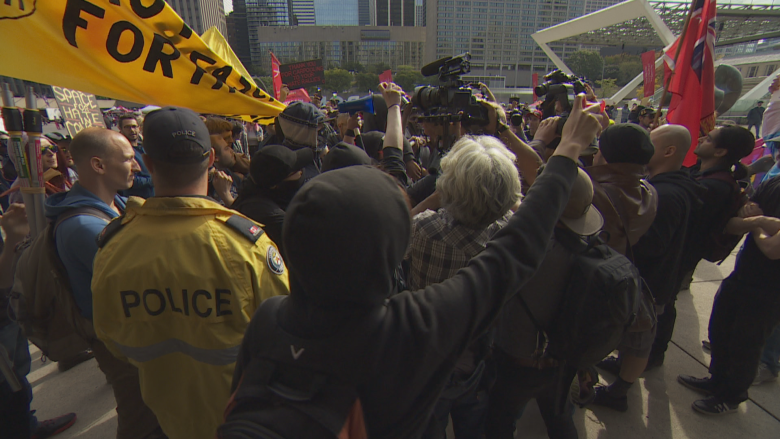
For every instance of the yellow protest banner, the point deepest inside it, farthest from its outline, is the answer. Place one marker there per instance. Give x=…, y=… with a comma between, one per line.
x=135, y=50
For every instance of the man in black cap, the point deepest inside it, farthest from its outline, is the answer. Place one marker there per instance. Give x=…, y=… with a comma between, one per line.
x=177, y=279
x=657, y=255
x=647, y=118
x=622, y=195
x=275, y=175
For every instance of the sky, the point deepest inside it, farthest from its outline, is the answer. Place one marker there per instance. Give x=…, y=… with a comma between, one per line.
x=228, y=6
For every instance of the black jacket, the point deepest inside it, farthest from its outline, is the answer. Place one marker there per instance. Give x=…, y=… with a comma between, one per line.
x=658, y=252
x=340, y=276
x=267, y=207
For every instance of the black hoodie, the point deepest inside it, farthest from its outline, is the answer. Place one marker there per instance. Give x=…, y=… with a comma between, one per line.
x=658, y=253
x=345, y=232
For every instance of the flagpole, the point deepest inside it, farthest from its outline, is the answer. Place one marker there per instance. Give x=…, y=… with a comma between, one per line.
x=676, y=55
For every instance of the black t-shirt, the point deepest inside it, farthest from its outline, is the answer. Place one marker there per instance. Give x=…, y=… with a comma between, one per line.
x=752, y=266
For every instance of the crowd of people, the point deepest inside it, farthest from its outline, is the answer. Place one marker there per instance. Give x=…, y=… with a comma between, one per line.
x=378, y=275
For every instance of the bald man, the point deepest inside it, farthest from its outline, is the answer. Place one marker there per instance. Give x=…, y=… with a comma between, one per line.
x=105, y=161
x=657, y=255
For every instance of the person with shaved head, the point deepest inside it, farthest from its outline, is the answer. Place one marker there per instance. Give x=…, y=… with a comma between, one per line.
x=106, y=164
x=657, y=255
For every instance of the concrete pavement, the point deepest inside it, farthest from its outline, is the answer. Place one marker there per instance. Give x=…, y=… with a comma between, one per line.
x=659, y=407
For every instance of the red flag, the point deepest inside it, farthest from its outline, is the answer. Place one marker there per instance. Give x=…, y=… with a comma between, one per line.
x=648, y=70
x=693, y=83
x=534, y=83
x=386, y=76
x=299, y=94
x=277, y=77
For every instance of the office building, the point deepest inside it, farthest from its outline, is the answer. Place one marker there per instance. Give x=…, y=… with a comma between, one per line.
x=200, y=15
x=302, y=13
x=394, y=12
x=336, y=46
x=498, y=34
x=337, y=12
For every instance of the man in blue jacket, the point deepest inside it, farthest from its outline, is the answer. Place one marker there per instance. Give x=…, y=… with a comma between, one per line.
x=142, y=181
x=106, y=164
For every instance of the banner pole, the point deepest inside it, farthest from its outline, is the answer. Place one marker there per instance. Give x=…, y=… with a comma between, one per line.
x=33, y=125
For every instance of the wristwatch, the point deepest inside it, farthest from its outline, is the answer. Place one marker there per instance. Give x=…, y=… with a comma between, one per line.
x=351, y=133
x=501, y=128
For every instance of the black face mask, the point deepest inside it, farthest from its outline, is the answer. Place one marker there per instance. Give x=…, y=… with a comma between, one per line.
x=284, y=192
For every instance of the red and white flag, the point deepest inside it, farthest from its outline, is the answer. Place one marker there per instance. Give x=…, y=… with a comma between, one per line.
x=693, y=83
x=386, y=76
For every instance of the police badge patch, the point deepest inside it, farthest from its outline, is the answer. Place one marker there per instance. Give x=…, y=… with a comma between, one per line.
x=274, y=259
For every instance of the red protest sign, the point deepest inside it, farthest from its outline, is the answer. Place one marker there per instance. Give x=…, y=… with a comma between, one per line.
x=648, y=71
x=302, y=74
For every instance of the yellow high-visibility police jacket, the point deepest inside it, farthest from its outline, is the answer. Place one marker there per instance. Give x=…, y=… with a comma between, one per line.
x=176, y=281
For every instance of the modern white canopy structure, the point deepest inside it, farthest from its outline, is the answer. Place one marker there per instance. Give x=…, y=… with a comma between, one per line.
x=612, y=15
x=737, y=23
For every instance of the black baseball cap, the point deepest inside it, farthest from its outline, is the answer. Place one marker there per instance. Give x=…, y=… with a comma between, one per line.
x=626, y=143
x=344, y=155
x=647, y=111
x=273, y=163
x=176, y=135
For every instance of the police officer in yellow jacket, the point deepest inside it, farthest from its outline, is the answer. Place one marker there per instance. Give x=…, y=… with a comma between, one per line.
x=177, y=279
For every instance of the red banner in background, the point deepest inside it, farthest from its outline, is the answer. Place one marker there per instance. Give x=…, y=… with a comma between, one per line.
x=534, y=83
x=299, y=94
x=277, y=77
x=386, y=76
x=648, y=71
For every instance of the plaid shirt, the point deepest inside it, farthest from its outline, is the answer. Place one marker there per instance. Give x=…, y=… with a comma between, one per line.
x=441, y=246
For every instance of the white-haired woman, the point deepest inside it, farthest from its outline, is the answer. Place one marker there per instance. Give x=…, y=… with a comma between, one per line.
x=478, y=186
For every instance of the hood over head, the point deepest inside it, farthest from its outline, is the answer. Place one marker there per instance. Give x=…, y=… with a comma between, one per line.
x=345, y=232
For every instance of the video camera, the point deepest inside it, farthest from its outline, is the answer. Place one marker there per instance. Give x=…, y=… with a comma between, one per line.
x=556, y=87
x=446, y=102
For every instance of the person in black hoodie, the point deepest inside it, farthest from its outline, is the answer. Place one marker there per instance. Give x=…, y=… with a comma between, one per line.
x=656, y=255
x=345, y=233
x=275, y=175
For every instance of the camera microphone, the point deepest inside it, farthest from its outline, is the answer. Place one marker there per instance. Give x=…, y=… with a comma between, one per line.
x=434, y=67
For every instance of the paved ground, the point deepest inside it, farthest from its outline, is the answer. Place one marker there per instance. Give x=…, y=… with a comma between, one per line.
x=660, y=408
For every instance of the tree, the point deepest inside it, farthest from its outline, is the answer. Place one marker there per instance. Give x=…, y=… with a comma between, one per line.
x=379, y=68
x=354, y=66
x=367, y=81
x=408, y=77
x=623, y=68
x=608, y=87
x=586, y=63
x=337, y=80
x=256, y=70
x=263, y=82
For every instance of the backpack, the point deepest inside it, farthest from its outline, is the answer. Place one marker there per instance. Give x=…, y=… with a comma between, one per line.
x=41, y=300
x=294, y=388
x=718, y=245
x=601, y=302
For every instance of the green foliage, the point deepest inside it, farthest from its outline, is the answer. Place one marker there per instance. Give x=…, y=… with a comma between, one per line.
x=586, y=63
x=379, y=68
x=354, y=66
x=623, y=68
x=607, y=87
x=367, y=81
x=408, y=77
x=337, y=80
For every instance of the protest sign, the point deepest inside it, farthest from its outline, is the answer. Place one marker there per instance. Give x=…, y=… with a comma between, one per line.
x=80, y=110
x=138, y=51
x=302, y=74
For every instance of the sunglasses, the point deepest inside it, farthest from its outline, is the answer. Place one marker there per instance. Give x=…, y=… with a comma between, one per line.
x=52, y=149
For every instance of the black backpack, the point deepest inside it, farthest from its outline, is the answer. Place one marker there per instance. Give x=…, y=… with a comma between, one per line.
x=718, y=245
x=295, y=388
x=601, y=302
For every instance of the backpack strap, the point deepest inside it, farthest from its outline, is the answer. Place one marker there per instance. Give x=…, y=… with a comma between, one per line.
x=109, y=231
x=90, y=211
